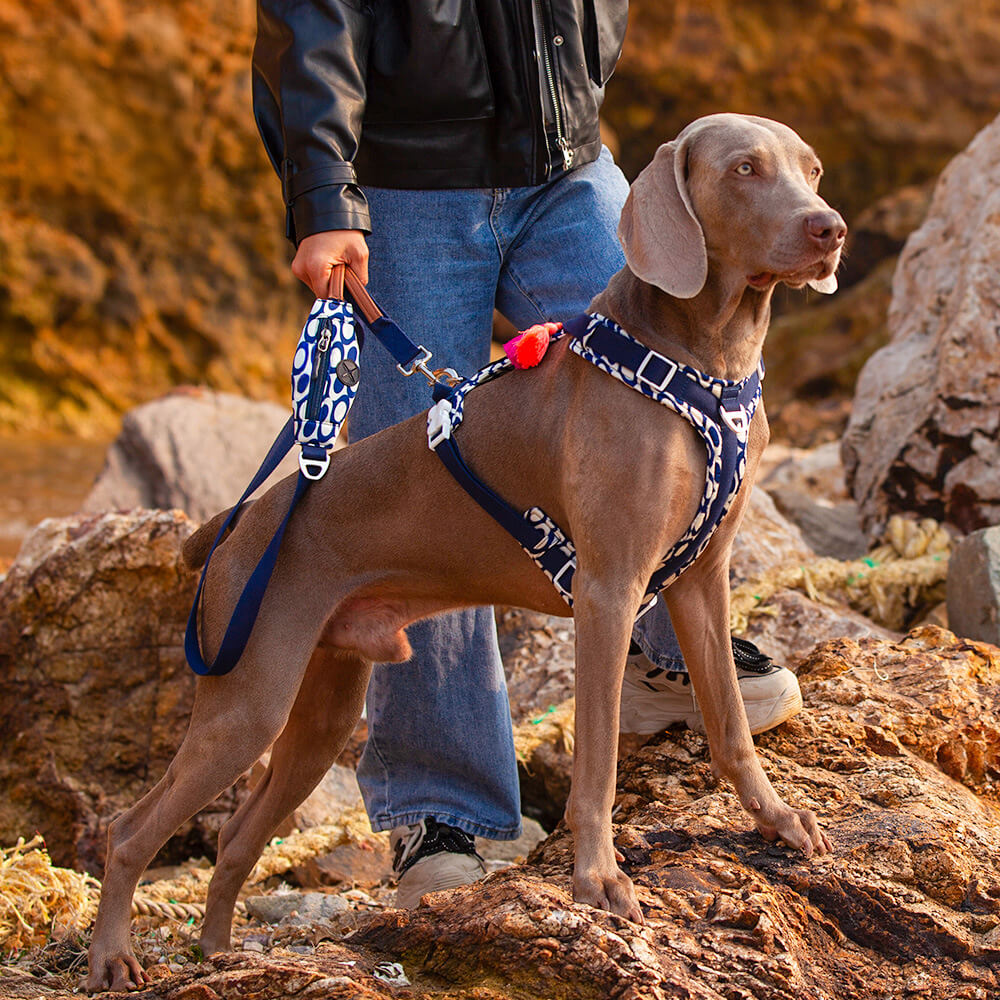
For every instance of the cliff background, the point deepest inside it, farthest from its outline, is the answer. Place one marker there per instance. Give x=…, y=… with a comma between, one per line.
x=141, y=240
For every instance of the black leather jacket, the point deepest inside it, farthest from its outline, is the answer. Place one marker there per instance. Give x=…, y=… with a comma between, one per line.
x=426, y=94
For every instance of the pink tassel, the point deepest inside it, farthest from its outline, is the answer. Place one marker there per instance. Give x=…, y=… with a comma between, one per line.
x=528, y=348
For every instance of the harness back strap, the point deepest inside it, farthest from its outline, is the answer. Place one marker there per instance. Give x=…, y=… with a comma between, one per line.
x=720, y=410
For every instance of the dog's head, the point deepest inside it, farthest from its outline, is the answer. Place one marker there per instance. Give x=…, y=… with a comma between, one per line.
x=738, y=193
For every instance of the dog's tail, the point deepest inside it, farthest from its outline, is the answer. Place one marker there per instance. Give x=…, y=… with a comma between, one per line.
x=196, y=548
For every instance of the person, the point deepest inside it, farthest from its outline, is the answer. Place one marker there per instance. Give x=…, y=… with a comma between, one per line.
x=457, y=146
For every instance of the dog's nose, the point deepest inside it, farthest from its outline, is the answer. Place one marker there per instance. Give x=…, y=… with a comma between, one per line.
x=826, y=229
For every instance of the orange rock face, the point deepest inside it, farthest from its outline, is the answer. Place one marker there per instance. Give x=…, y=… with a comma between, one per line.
x=141, y=239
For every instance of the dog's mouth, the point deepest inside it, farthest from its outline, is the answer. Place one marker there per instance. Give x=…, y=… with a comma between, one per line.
x=761, y=280
x=796, y=279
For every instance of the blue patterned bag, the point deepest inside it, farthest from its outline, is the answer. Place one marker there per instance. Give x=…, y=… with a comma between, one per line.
x=325, y=377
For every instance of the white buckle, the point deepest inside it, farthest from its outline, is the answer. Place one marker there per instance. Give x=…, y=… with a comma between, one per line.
x=314, y=468
x=738, y=421
x=439, y=423
x=671, y=371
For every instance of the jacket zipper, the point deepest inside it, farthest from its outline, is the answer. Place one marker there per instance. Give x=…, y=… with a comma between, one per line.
x=321, y=365
x=564, y=147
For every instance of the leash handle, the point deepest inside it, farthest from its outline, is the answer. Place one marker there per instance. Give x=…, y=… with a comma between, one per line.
x=343, y=278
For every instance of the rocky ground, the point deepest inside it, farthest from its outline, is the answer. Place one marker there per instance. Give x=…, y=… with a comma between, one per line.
x=896, y=750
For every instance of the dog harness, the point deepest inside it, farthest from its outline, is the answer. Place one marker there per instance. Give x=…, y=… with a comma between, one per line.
x=719, y=410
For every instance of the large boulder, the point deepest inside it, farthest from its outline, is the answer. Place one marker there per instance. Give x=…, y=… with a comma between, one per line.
x=193, y=449
x=95, y=693
x=923, y=434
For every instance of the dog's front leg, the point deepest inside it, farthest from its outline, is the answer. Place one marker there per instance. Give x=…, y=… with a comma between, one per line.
x=603, y=613
x=699, y=608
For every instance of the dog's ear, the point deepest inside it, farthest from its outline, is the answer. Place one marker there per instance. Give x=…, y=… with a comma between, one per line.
x=659, y=232
x=827, y=285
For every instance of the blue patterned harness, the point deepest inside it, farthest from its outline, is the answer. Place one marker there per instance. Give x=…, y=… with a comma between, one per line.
x=719, y=410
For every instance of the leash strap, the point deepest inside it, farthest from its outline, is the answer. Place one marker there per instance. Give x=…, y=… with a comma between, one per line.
x=409, y=357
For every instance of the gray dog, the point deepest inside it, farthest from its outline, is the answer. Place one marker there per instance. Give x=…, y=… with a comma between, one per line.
x=722, y=214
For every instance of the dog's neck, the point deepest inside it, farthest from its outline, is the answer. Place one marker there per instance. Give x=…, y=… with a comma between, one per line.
x=720, y=331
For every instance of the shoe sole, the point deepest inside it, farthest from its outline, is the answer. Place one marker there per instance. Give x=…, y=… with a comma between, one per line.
x=784, y=706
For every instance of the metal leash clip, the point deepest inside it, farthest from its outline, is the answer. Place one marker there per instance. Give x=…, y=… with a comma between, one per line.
x=439, y=376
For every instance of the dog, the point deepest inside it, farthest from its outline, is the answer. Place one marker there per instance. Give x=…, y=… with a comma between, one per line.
x=719, y=217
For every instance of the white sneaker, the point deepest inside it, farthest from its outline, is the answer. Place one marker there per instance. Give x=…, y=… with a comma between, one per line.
x=430, y=856
x=654, y=698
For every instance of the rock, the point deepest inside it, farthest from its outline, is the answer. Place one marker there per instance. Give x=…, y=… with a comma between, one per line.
x=296, y=908
x=532, y=834
x=807, y=486
x=792, y=625
x=974, y=586
x=880, y=230
x=817, y=472
x=922, y=437
x=814, y=350
x=95, y=693
x=538, y=660
x=766, y=539
x=193, y=449
x=364, y=865
x=907, y=900
x=127, y=274
x=336, y=793
x=885, y=94
x=830, y=529
x=895, y=750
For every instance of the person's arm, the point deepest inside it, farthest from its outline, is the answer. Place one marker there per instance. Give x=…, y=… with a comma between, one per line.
x=309, y=67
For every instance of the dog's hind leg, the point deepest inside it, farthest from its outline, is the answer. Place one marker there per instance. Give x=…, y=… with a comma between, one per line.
x=323, y=717
x=230, y=728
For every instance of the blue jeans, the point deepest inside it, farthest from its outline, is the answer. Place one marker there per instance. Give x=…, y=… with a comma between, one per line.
x=439, y=731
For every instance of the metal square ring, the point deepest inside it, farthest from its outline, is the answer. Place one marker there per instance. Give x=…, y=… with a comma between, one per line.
x=665, y=381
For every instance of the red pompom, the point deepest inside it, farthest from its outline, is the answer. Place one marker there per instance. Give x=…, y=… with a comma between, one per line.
x=529, y=347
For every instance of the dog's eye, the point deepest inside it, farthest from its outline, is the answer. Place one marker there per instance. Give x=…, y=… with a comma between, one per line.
x=814, y=173
x=745, y=169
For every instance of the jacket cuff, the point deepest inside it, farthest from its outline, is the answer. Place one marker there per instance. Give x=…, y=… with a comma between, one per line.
x=324, y=207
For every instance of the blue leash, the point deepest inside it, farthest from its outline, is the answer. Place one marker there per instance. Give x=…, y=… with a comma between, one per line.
x=409, y=358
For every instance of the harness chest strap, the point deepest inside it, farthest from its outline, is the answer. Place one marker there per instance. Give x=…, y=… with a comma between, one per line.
x=719, y=410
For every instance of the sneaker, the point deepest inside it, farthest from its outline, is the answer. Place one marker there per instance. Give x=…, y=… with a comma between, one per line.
x=654, y=698
x=430, y=856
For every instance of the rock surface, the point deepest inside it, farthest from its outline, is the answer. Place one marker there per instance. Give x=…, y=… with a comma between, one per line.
x=974, y=586
x=194, y=449
x=95, y=693
x=166, y=263
x=884, y=91
x=923, y=434
x=163, y=263
x=907, y=905
x=807, y=487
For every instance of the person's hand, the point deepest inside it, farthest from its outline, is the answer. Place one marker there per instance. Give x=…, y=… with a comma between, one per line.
x=317, y=254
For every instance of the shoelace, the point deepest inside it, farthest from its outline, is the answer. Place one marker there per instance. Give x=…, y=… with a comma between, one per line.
x=746, y=655
x=749, y=657
x=431, y=837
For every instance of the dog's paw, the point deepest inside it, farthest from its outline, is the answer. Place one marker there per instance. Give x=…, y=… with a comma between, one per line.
x=118, y=971
x=797, y=828
x=612, y=891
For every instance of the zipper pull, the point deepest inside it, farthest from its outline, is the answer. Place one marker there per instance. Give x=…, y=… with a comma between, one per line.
x=323, y=343
x=567, y=153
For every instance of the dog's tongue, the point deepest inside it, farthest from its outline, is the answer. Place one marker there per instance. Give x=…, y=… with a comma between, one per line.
x=761, y=280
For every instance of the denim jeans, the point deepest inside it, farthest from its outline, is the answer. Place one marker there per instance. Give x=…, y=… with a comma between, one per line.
x=439, y=740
